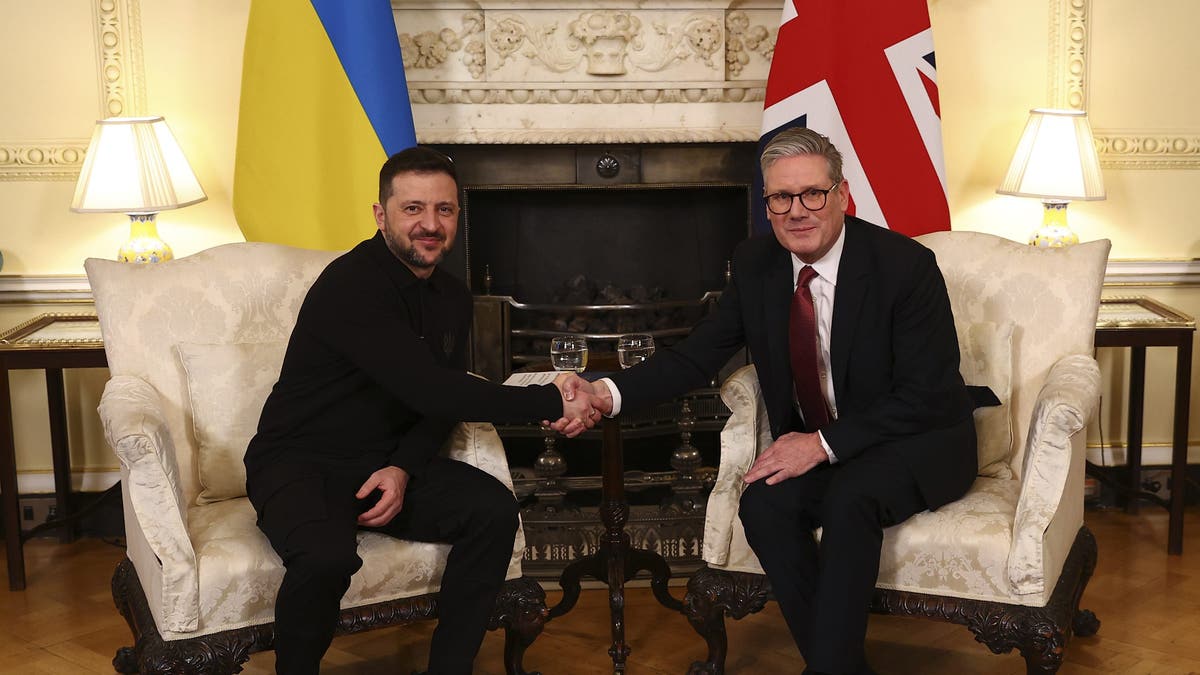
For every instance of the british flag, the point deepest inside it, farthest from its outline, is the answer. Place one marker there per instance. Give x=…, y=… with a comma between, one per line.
x=862, y=72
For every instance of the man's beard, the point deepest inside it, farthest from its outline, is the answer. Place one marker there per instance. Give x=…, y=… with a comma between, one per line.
x=410, y=254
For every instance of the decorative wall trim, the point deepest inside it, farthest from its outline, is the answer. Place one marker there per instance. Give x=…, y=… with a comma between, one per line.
x=42, y=160
x=1132, y=149
x=553, y=136
x=38, y=290
x=119, y=67
x=1148, y=150
x=96, y=479
x=1152, y=273
x=1153, y=454
x=516, y=94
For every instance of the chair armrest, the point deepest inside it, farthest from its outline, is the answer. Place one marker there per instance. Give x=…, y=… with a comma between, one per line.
x=134, y=426
x=1050, y=508
x=745, y=435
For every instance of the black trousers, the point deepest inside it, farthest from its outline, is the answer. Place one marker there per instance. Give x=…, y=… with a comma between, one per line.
x=824, y=591
x=311, y=521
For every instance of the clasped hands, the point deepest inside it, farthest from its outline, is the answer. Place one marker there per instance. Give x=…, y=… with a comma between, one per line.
x=584, y=403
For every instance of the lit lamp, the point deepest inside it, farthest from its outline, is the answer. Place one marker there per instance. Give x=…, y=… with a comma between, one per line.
x=1055, y=160
x=134, y=165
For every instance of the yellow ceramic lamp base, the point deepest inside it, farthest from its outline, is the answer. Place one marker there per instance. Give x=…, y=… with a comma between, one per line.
x=1054, y=232
x=144, y=246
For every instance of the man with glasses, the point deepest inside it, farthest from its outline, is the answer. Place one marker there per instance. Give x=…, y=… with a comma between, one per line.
x=851, y=333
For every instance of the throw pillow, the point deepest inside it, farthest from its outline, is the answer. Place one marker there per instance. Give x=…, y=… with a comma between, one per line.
x=986, y=359
x=228, y=385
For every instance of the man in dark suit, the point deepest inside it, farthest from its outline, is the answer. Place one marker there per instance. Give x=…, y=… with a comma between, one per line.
x=850, y=330
x=373, y=381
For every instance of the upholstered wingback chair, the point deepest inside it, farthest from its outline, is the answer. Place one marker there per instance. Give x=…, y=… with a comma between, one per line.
x=194, y=346
x=1010, y=559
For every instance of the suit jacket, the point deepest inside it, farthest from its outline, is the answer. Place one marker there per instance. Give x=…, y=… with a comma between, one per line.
x=893, y=352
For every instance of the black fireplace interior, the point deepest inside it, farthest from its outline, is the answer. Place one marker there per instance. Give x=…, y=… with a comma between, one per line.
x=661, y=242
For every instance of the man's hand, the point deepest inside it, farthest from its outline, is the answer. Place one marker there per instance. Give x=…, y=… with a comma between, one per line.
x=793, y=454
x=580, y=407
x=391, y=481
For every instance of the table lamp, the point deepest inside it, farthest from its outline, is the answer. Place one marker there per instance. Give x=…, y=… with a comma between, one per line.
x=1055, y=160
x=134, y=165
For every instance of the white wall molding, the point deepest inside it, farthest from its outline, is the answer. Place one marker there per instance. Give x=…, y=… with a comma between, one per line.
x=1152, y=455
x=1153, y=272
x=1070, y=44
x=121, y=80
x=82, y=480
x=35, y=290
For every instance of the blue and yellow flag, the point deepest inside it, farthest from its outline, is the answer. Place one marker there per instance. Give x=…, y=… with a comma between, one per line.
x=324, y=103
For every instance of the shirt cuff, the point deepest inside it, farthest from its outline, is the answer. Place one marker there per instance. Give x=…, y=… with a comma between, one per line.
x=616, y=396
x=828, y=450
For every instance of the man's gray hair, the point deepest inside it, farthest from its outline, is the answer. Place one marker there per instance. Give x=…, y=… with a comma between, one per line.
x=799, y=141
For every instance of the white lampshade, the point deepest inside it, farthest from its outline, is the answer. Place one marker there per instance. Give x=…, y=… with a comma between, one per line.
x=1055, y=159
x=135, y=165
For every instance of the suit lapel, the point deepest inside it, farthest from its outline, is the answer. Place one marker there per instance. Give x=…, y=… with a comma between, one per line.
x=854, y=272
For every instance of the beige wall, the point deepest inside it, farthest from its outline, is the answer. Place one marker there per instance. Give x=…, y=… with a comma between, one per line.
x=997, y=59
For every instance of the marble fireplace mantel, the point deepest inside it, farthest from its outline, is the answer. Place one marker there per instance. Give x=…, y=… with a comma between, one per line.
x=567, y=71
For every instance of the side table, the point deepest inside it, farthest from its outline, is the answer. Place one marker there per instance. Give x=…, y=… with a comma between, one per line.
x=49, y=342
x=1138, y=322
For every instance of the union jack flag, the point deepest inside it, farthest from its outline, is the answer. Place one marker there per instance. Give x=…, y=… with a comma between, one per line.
x=862, y=72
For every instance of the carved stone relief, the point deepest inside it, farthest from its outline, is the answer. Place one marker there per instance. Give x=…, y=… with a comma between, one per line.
x=695, y=72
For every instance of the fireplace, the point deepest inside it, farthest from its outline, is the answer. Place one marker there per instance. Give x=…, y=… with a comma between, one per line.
x=594, y=240
x=602, y=240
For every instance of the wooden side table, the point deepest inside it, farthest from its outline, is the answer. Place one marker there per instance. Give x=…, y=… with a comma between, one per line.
x=1138, y=322
x=47, y=342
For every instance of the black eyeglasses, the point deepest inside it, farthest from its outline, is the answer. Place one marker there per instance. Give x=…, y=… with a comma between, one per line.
x=813, y=199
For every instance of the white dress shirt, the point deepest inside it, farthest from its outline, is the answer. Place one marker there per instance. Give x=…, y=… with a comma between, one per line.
x=823, y=289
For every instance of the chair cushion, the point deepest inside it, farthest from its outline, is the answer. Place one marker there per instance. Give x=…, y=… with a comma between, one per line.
x=227, y=387
x=240, y=573
x=986, y=359
x=959, y=550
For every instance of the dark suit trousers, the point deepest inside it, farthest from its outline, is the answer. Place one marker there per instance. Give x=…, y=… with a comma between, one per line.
x=311, y=522
x=824, y=591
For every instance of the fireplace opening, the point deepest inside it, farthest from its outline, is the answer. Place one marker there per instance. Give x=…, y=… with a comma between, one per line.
x=528, y=241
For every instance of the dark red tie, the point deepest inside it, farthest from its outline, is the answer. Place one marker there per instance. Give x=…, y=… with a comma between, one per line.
x=802, y=340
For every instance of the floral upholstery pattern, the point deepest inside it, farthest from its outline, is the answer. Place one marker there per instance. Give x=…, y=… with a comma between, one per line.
x=1006, y=540
x=986, y=359
x=183, y=337
x=227, y=387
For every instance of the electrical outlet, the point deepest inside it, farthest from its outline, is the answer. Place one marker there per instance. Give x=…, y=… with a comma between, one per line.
x=35, y=510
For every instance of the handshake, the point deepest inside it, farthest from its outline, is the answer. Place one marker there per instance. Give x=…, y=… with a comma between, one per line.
x=583, y=404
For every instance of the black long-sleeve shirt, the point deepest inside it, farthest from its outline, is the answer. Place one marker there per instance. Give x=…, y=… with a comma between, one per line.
x=375, y=372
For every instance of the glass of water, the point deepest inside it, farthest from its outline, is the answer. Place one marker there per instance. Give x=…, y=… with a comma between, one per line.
x=633, y=349
x=569, y=352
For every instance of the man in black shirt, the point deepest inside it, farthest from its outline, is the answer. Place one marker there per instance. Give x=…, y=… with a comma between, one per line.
x=373, y=381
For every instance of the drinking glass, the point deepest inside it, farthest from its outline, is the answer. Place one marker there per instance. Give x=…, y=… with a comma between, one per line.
x=633, y=349
x=569, y=352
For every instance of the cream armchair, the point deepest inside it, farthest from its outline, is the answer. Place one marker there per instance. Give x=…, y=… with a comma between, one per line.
x=194, y=346
x=1009, y=560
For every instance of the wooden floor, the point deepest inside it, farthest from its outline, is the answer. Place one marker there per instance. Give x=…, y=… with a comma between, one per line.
x=1149, y=604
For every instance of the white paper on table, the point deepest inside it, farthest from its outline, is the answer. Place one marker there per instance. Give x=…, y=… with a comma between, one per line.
x=526, y=379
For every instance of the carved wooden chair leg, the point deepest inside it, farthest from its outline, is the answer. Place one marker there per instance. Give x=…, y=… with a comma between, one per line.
x=713, y=593
x=521, y=610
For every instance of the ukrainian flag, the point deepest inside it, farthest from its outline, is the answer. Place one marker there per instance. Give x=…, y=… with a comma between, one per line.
x=324, y=103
